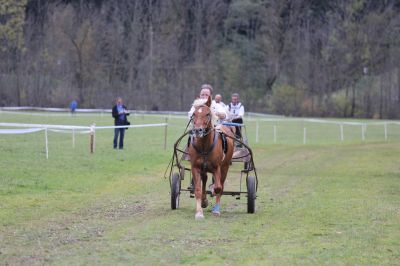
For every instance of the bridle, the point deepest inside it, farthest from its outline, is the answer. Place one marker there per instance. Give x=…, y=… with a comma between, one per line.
x=201, y=132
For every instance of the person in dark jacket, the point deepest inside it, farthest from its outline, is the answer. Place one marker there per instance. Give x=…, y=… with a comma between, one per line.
x=119, y=112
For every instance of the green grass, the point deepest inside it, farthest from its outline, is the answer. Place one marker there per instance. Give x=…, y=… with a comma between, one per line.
x=324, y=203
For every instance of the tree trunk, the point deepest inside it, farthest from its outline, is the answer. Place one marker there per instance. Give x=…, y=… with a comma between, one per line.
x=151, y=34
x=18, y=89
x=79, y=76
x=381, y=97
x=397, y=103
x=353, y=101
x=345, y=104
x=18, y=74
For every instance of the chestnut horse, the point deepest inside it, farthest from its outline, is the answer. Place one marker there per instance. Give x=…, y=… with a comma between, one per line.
x=207, y=156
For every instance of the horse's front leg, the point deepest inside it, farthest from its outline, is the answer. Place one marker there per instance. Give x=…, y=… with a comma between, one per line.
x=204, y=201
x=197, y=193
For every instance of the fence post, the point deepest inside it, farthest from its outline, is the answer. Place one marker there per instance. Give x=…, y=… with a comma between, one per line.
x=341, y=132
x=73, y=138
x=47, y=145
x=257, y=128
x=274, y=133
x=91, y=134
x=304, y=135
x=94, y=137
x=165, y=133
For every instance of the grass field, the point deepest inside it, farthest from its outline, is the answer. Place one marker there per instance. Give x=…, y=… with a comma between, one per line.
x=324, y=203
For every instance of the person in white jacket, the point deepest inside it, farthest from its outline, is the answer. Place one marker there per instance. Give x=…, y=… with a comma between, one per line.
x=218, y=99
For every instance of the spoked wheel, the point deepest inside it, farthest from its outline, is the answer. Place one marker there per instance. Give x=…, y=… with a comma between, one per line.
x=175, y=190
x=251, y=194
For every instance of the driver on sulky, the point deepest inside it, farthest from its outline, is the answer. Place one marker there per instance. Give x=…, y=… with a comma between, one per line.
x=205, y=92
x=236, y=113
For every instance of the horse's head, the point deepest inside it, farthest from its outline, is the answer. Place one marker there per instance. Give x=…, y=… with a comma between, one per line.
x=202, y=117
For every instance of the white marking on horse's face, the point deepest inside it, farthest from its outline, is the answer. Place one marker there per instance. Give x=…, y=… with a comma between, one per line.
x=200, y=110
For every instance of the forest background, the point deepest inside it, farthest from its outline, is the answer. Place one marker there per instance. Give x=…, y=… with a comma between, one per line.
x=299, y=58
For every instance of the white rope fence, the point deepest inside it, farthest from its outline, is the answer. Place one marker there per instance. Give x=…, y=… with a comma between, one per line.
x=257, y=118
x=71, y=129
x=362, y=125
x=19, y=131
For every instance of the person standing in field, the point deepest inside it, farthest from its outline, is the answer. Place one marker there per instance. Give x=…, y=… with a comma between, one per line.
x=120, y=113
x=72, y=106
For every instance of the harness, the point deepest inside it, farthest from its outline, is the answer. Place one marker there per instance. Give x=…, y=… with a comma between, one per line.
x=224, y=142
x=203, y=133
x=204, y=153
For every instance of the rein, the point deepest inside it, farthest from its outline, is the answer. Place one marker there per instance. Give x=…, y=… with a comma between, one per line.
x=205, y=131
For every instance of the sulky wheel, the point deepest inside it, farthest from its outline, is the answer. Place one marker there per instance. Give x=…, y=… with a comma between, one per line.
x=175, y=190
x=251, y=194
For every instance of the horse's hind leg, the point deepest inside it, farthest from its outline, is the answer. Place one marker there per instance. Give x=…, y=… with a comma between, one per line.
x=217, y=181
x=224, y=173
x=216, y=210
x=204, y=201
x=217, y=207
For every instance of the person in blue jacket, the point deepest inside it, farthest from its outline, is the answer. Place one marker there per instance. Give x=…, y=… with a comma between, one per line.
x=72, y=106
x=120, y=113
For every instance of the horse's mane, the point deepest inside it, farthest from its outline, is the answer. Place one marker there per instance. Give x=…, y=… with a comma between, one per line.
x=200, y=102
